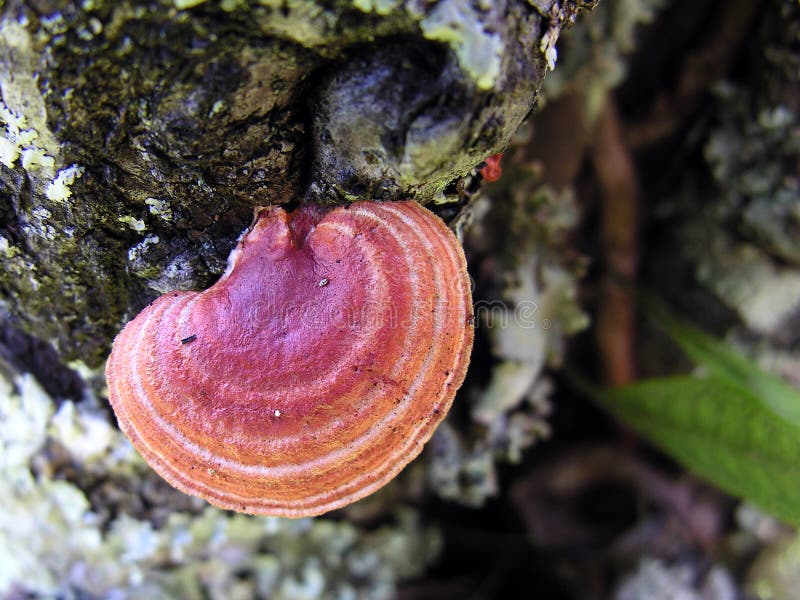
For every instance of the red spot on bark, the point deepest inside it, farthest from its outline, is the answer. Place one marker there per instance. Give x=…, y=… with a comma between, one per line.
x=492, y=171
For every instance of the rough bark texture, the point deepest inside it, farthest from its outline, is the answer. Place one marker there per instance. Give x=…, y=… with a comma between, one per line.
x=140, y=136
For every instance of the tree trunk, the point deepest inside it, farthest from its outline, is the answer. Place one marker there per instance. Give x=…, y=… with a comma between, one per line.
x=138, y=138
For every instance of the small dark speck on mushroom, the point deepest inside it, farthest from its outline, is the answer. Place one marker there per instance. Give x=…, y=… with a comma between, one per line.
x=190, y=339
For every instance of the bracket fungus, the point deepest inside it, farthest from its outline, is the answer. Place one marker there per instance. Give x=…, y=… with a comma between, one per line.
x=312, y=372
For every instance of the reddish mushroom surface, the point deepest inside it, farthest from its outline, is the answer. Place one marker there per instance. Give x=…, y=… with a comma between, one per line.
x=312, y=372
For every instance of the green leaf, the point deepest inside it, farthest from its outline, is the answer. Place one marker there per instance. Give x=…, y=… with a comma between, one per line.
x=721, y=431
x=722, y=362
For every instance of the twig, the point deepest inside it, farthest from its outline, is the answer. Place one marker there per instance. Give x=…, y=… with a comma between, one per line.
x=616, y=175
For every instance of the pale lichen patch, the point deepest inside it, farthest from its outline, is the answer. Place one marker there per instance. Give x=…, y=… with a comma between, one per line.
x=40, y=212
x=59, y=189
x=25, y=409
x=459, y=25
x=743, y=277
x=14, y=121
x=159, y=208
x=17, y=141
x=133, y=223
x=184, y=4
x=139, y=249
x=216, y=108
x=36, y=157
x=9, y=152
x=548, y=46
x=23, y=114
x=381, y=7
x=232, y=5
x=84, y=432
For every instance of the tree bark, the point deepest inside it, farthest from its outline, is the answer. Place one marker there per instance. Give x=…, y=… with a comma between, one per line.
x=137, y=138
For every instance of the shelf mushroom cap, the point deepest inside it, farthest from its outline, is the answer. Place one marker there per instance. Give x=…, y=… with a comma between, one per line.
x=312, y=372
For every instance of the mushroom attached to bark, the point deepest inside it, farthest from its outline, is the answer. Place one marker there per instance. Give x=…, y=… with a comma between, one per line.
x=312, y=372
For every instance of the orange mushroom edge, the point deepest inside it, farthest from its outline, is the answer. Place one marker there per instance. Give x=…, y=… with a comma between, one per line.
x=312, y=372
